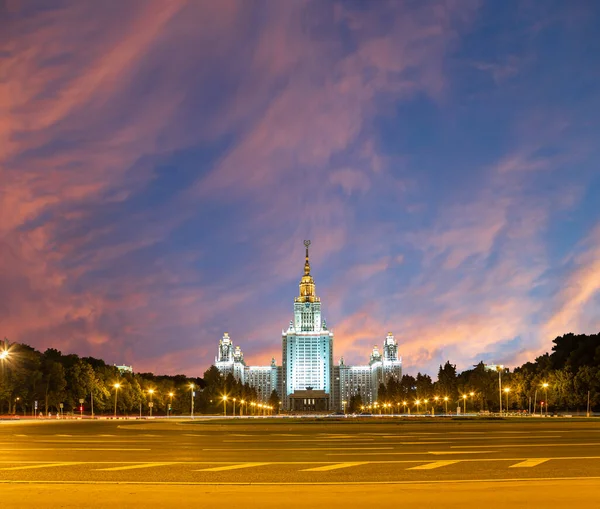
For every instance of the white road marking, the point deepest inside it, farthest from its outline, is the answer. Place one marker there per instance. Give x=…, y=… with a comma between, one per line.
x=434, y=464
x=44, y=465
x=232, y=467
x=302, y=449
x=500, y=446
x=24, y=449
x=405, y=453
x=533, y=462
x=336, y=466
x=134, y=467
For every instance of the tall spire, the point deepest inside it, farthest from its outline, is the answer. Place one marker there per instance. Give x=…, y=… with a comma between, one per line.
x=307, y=263
x=307, y=283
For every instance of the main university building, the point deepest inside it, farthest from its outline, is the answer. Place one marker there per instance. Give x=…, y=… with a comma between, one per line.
x=307, y=379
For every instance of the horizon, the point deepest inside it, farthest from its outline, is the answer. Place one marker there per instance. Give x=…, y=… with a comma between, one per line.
x=163, y=162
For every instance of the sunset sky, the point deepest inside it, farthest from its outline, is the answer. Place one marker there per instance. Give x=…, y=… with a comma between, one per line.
x=161, y=163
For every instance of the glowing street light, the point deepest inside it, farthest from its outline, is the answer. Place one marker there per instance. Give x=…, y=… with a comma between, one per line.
x=170, y=403
x=436, y=399
x=242, y=403
x=234, y=400
x=151, y=392
x=507, y=390
x=464, y=397
x=545, y=385
x=225, y=405
x=192, y=387
x=404, y=405
x=116, y=386
x=472, y=405
x=446, y=404
x=418, y=402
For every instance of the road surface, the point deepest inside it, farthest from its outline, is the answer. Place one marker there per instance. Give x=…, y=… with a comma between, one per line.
x=275, y=463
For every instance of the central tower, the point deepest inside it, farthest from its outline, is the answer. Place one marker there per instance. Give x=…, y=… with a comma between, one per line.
x=307, y=353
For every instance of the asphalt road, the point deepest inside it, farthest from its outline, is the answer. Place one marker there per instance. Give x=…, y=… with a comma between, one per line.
x=275, y=463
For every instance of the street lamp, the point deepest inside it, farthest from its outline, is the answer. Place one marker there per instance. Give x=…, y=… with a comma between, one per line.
x=344, y=406
x=436, y=399
x=170, y=404
x=464, y=397
x=545, y=386
x=472, y=404
x=507, y=390
x=242, y=403
x=404, y=405
x=418, y=402
x=192, y=387
x=225, y=406
x=500, y=369
x=116, y=386
x=426, y=401
x=234, y=400
x=151, y=392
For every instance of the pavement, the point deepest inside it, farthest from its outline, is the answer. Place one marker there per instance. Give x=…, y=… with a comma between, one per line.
x=284, y=462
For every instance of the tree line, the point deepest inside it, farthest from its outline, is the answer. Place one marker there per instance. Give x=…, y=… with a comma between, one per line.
x=560, y=380
x=32, y=382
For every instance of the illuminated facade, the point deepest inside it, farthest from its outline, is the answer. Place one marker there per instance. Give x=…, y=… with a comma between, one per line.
x=307, y=380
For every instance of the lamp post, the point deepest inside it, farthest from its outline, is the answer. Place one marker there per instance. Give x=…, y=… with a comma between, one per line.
x=436, y=399
x=507, y=390
x=150, y=405
x=446, y=404
x=545, y=386
x=344, y=406
x=500, y=369
x=116, y=386
x=472, y=402
x=234, y=400
x=404, y=405
x=170, y=404
x=464, y=396
x=192, y=386
x=225, y=406
x=426, y=401
x=418, y=402
x=242, y=403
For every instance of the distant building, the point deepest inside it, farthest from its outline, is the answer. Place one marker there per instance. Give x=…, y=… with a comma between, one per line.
x=307, y=380
x=124, y=369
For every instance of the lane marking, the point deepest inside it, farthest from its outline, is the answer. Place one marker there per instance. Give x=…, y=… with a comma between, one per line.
x=24, y=449
x=193, y=435
x=300, y=449
x=434, y=464
x=309, y=483
x=45, y=465
x=58, y=435
x=533, y=462
x=571, y=444
x=416, y=453
x=336, y=466
x=232, y=467
x=134, y=467
x=107, y=435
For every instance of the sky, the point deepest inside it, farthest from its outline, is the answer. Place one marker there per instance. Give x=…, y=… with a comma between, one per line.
x=162, y=162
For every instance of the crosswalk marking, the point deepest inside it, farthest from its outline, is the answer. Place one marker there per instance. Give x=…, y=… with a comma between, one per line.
x=133, y=467
x=335, y=466
x=533, y=462
x=434, y=464
x=232, y=467
x=44, y=465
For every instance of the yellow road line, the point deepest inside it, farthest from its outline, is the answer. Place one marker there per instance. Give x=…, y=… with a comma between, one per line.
x=533, y=462
x=134, y=467
x=303, y=449
x=232, y=467
x=45, y=465
x=434, y=464
x=336, y=466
